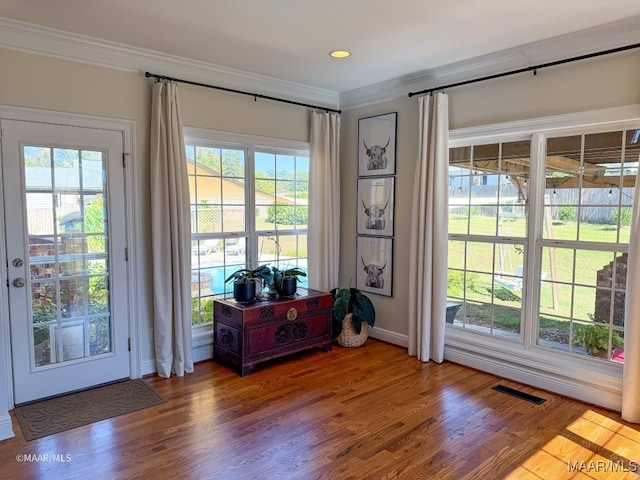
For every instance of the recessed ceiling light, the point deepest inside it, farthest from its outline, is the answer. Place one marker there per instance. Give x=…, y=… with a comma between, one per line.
x=340, y=54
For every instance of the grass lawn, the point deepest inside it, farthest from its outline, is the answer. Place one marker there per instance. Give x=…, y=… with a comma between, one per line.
x=484, y=261
x=288, y=243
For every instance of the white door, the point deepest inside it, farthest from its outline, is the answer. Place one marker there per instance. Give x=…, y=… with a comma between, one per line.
x=65, y=236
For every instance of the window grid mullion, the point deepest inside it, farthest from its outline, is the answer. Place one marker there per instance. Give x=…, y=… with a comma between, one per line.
x=250, y=207
x=533, y=247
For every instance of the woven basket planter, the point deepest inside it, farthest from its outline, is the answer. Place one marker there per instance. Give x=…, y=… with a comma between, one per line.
x=348, y=336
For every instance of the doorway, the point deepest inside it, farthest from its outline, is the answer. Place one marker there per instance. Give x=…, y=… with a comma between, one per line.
x=65, y=227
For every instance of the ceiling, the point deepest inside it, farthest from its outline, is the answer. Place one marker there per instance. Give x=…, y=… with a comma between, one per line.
x=290, y=40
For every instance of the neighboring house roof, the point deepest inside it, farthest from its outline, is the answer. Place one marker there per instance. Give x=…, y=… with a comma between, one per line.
x=210, y=179
x=37, y=178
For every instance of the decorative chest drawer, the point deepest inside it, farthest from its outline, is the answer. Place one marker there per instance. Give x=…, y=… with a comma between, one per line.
x=245, y=335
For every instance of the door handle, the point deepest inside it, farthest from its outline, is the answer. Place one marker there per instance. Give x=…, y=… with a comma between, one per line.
x=18, y=282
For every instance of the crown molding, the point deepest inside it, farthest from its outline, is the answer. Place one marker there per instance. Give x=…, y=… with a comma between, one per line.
x=34, y=39
x=600, y=38
x=38, y=40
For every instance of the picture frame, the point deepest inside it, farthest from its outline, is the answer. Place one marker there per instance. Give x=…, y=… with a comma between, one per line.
x=376, y=204
x=377, y=145
x=374, y=272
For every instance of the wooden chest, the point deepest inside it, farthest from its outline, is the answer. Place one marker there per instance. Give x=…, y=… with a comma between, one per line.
x=245, y=335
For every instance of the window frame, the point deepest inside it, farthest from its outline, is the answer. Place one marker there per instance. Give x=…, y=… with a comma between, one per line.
x=202, y=334
x=526, y=360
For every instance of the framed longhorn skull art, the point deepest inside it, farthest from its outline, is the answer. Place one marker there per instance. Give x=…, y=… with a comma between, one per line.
x=376, y=206
x=377, y=145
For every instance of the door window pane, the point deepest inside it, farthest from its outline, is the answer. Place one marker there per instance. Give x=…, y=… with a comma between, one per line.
x=66, y=169
x=37, y=168
x=68, y=245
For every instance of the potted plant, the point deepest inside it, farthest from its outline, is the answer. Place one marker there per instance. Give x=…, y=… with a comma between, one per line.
x=286, y=281
x=353, y=314
x=595, y=339
x=248, y=283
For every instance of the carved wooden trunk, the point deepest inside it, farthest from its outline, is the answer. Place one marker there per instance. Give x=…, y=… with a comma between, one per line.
x=245, y=335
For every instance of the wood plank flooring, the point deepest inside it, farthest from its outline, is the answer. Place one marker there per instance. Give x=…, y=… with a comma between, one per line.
x=365, y=413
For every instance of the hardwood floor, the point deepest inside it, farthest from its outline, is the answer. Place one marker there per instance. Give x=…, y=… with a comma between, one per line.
x=366, y=413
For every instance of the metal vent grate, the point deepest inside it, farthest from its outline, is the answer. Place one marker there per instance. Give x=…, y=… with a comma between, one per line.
x=519, y=394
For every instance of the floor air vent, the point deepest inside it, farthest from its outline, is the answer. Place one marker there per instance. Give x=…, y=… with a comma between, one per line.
x=519, y=394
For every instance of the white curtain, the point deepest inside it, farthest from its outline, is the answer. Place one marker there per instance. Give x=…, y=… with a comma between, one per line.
x=323, y=240
x=170, y=235
x=429, y=223
x=631, y=373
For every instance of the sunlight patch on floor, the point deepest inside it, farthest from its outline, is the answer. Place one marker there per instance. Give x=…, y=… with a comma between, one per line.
x=593, y=446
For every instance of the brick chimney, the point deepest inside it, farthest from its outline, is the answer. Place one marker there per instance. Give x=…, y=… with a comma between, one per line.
x=603, y=291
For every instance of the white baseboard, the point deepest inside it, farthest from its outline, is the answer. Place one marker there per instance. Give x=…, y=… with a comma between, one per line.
x=201, y=349
x=389, y=336
x=6, y=428
x=529, y=375
x=148, y=367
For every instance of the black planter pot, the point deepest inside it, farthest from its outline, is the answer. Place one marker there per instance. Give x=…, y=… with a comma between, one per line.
x=288, y=287
x=244, y=292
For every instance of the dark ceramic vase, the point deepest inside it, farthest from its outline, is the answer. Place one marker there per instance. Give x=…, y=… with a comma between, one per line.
x=244, y=292
x=288, y=287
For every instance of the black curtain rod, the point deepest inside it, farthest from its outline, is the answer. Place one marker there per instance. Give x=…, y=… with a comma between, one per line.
x=254, y=95
x=528, y=69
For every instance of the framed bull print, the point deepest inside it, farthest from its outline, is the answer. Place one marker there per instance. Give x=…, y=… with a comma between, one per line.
x=377, y=145
x=375, y=265
x=375, y=206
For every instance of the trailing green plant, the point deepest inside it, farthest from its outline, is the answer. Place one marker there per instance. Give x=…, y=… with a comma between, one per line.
x=351, y=300
x=595, y=338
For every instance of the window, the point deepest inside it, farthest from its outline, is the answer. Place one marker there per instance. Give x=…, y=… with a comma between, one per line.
x=487, y=231
x=248, y=207
x=281, y=203
x=538, y=237
x=588, y=195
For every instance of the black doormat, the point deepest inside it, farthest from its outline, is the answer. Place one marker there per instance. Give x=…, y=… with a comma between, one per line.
x=518, y=394
x=58, y=414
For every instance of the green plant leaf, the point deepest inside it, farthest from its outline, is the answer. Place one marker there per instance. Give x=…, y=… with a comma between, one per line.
x=241, y=274
x=351, y=300
x=366, y=309
x=341, y=304
x=263, y=272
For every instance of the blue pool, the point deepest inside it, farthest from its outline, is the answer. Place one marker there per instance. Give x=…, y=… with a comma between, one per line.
x=210, y=280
